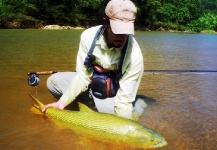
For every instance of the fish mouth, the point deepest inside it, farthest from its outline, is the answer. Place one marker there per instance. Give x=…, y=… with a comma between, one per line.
x=160, y=144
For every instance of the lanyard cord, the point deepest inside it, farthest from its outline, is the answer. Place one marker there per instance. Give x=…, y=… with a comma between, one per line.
x=90, y=58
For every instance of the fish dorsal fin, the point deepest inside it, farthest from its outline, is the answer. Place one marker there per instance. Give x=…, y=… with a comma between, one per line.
x=83, y=107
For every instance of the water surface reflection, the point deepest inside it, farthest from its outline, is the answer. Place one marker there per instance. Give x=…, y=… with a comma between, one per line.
x=185, y=111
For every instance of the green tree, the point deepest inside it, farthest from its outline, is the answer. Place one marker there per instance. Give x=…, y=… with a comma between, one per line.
x=196, y=15
x=206, y=22
x=68, y=12
x=147, y=15
x=16, y=11
x=168, y=14
x=210, y=5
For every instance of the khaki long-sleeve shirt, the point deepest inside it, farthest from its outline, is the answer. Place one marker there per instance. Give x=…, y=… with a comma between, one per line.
x=108, y=58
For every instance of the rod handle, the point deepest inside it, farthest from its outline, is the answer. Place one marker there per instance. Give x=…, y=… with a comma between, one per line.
x=41, y=72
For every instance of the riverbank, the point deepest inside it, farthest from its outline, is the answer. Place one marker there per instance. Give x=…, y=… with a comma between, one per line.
x=160, y=29
x=61, y=27
x=58, y=27
x=177, y=31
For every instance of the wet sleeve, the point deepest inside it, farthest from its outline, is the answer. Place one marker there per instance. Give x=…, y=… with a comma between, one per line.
x=129, y=84
x=82, y=79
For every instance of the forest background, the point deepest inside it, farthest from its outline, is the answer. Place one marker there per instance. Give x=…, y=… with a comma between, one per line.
x=179, y=15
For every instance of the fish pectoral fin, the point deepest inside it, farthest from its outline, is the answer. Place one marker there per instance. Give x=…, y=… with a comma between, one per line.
x=83, y=107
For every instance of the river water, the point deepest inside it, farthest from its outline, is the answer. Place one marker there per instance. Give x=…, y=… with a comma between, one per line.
x=185, y=111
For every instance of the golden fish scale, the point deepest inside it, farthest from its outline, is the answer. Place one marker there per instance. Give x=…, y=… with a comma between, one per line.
x=107, y=126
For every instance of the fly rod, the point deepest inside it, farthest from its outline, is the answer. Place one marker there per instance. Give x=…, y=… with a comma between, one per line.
x=33, y=78
x=180, y=71
x=41, y=73
x=52, y=72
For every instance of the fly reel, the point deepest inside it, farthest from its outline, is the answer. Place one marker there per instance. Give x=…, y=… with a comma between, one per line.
x=33, y=80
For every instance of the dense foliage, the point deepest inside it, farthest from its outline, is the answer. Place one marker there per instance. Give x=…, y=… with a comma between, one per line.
x=194, y=15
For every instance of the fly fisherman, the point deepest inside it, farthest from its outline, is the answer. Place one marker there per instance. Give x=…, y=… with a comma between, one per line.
x=109, y=65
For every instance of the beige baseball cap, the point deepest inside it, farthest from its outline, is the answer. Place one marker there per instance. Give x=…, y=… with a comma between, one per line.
x=122, y=14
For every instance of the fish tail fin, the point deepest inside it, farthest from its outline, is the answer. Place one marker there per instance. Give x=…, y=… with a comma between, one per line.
x=37, y=104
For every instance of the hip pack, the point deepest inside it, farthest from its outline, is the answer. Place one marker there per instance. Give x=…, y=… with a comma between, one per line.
x=104, y=83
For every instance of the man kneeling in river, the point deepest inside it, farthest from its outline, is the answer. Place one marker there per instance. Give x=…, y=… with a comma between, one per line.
x=109, y=65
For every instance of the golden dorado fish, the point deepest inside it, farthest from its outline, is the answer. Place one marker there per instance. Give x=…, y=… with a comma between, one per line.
x=105, y=127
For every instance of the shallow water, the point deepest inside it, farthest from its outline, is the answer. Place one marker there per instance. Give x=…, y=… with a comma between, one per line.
x=186, y=107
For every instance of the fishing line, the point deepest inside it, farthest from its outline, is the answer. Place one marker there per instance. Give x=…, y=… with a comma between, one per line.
x=33, y=78
x=160, y=70
x=181, y=71
x=36, y=92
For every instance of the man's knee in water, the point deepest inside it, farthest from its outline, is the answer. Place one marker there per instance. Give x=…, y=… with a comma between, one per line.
x=52, y=87
x=51, y=83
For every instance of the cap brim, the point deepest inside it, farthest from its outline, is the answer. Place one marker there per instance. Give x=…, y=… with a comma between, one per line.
x=119, y=27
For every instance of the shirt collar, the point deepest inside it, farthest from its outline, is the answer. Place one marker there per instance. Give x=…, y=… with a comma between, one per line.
x=102, y=42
